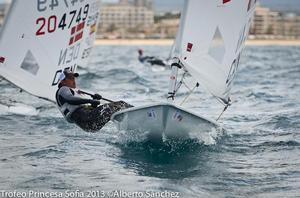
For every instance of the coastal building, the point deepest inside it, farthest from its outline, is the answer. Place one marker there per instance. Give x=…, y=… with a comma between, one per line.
x=264, y=22
x=289, y=26
x=167, y=28
x=125, y=17
x=144, y=3
x=4, y=7
x=268, y=24
x=2, y=13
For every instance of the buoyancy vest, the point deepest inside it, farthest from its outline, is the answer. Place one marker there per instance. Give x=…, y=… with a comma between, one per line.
x=65, y=108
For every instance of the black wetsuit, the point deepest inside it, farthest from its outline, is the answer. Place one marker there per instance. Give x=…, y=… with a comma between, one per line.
x=87, y=117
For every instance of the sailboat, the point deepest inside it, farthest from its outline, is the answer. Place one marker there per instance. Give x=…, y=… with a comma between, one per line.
x=208, y=46
x=151, y=60
x=40, y=39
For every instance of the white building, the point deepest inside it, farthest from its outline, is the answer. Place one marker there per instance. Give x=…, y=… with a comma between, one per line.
x=269, y=24
x=125, y=17
x=2, y=13
x=264, y=22
x=144, y=3
x=4, y=7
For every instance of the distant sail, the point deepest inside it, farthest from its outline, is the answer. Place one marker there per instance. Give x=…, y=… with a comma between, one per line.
x=41, y=38
x=211, y=37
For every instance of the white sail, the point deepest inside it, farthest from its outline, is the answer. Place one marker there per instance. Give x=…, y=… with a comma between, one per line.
x=175, y=47
x=211, y=37
x=42, y=37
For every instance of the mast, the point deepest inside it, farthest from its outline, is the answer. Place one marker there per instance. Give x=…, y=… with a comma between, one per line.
x=175, y=66
x=175, y=54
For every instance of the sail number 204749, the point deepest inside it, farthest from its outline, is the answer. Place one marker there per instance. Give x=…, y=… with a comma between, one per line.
x=50, y=24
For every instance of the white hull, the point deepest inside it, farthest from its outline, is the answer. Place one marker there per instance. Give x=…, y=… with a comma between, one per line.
x=164, y=119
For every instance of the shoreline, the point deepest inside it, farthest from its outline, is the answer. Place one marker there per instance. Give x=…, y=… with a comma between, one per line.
x=170, y=42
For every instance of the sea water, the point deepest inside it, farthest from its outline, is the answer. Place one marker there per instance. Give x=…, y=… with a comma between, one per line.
x=257, y=156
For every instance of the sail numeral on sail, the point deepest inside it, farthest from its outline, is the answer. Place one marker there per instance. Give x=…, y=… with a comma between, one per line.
x=50, y=25
x=58, y=72
x=42, y=5
x=69, y=54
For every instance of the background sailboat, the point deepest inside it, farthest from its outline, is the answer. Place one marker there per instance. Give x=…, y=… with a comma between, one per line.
x=208, y=46
x=41, y=38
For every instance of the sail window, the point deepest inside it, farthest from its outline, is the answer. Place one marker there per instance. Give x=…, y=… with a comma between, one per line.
x=217, y=47
x=30, y=64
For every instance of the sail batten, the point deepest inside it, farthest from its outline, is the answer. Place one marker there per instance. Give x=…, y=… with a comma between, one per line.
x=211, y=37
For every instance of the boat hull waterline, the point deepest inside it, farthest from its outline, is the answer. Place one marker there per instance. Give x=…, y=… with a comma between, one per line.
x=165, y=120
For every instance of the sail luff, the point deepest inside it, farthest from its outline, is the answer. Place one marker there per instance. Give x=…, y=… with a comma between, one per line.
x=178, y=40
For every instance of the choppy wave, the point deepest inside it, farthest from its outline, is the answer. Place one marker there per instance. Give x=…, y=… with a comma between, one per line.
x=258, y=156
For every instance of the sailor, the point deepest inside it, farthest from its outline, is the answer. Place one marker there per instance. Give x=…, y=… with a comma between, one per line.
x=88, y=114
x=150, y=59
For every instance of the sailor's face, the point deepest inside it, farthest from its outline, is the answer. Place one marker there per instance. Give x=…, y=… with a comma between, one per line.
x=70, y=81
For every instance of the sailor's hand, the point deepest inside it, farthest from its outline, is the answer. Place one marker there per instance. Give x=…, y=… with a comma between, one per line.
x=97, y=97
x=95, y=103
